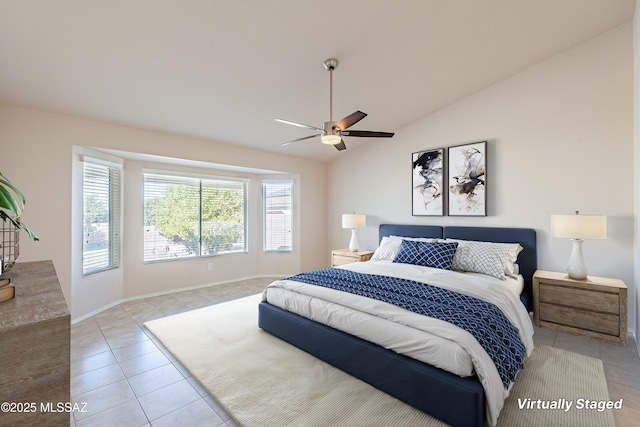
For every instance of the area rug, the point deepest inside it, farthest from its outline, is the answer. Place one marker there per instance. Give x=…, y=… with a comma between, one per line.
x=262, y=381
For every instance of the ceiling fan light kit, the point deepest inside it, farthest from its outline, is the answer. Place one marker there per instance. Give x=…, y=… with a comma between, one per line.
x=330, y=139
x=332, y=132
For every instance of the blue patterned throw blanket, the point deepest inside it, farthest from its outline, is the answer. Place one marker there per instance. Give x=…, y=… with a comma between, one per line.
x=485, y=321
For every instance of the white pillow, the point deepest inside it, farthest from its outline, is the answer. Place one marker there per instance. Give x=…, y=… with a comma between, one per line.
x=390, y=244
x=388, y=248
x=493, y=259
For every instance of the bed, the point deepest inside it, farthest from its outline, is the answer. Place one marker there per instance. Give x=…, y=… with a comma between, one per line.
x=455, y=399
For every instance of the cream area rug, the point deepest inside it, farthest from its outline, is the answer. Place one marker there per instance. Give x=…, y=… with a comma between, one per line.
x=263, y=381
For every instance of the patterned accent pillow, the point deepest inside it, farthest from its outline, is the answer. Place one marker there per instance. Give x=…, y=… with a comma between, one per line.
x=389, y=246
x=494, y=259
x=428, y=254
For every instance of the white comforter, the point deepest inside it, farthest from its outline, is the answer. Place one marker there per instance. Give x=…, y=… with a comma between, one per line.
x=429, y=340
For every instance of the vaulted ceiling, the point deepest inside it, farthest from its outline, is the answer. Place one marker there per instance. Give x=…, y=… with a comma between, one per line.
x=222, y=70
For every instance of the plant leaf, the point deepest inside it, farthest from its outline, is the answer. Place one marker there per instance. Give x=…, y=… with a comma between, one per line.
x=28, y=230
x=18, y=224
x=5, y=181
x=8, y=202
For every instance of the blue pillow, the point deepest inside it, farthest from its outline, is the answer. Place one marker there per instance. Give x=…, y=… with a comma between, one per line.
x=428, y=254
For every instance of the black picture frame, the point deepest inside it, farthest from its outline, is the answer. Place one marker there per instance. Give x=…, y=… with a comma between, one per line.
x=428, y=186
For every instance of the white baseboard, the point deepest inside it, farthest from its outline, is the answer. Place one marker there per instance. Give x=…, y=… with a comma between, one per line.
x=171, y=291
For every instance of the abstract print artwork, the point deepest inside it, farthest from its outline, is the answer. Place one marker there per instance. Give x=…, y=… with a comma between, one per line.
x=428, y=180
x=467, y=167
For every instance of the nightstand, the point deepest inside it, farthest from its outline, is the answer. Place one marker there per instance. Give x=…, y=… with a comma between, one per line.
x=595, y=307
x=345, y=256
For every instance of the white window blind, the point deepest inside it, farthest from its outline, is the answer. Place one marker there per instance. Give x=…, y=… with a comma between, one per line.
x=101, y=217
x=187, y=216
x=278, y=209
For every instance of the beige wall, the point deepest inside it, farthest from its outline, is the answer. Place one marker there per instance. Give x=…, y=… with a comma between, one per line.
x=560, y=139
x=636, y=122
x=38, y=156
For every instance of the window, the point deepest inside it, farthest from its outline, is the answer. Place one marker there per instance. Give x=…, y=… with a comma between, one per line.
x=278, y=202
x=101, y=216
x=187, y=216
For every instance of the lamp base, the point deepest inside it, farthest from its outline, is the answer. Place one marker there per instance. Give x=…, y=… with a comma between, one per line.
x=577, y=269
x=353, y=243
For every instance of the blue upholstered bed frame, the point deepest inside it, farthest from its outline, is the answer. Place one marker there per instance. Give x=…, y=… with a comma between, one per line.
x=455, y=400
x=527, y=260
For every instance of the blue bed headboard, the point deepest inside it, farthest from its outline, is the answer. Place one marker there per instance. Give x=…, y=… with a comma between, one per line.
x=407, y=230
x=527, y=259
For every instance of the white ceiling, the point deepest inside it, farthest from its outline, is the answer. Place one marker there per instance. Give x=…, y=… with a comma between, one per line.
x=222, y=70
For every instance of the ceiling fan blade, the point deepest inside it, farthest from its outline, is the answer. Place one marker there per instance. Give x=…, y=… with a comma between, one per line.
x=288, y=122
x=299, y=139
x=341, y=146
x=350, y=120
x=368, y=134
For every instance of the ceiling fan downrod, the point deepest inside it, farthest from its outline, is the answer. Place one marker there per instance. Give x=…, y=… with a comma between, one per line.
x=330, y=65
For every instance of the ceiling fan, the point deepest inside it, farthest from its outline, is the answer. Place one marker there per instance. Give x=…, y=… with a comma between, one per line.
x=332, y=132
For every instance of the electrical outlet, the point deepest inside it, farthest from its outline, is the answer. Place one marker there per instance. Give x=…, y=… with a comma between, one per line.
x=210, y=266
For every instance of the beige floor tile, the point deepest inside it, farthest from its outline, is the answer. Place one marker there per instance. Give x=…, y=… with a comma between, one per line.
x=168, y=399
x=619, y=375
x=95, y=379
x=544, y=339
x=144, y=363
x=612, y=353
x=576, y=344
x=127, y=339
x=90, y=363
x=630, y=396
x=146, y=314
x=103, y=398
x=217, y=407
x=87, y=346
x=134, y=350
x=196, y=302
x=155, y=379
x=85, y=327
x=122, y=328
x=185, y=373
x=198, y=387
x=198, y=413
x=112, y=316
x=126, y=414
x=136, y=305
x=627, y=417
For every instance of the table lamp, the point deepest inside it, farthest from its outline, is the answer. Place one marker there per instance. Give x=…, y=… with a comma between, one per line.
x=354, y=221
x=578, y=228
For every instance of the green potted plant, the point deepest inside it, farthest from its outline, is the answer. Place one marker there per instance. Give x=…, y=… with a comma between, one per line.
x=12, y=204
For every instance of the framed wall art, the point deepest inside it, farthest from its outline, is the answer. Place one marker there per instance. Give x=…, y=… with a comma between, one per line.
x=467, y=179
x=428, y=182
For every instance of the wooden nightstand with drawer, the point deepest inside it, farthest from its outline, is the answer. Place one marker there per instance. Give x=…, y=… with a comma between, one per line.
x=345, y=256
x=595, y=307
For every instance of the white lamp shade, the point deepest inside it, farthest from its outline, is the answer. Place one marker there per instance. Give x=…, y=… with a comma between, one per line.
x=579, y=226
x=354, y=221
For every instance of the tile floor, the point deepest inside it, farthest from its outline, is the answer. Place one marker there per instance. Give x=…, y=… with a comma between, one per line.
x=128, y=379
x=621, y=368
